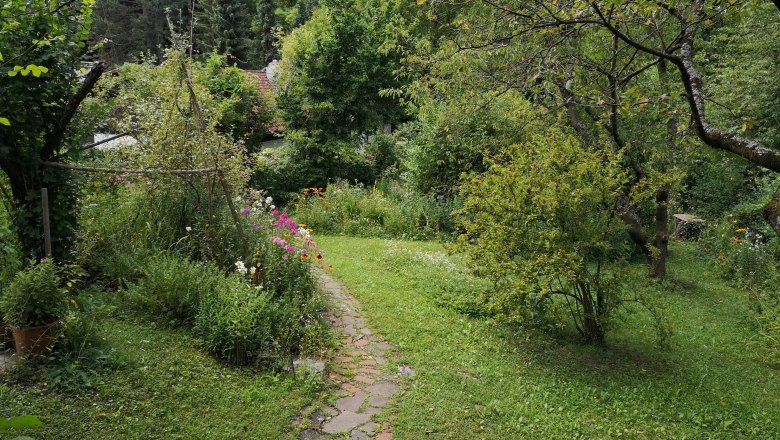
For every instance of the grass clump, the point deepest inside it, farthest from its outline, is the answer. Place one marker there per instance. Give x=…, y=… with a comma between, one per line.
x=386, y=210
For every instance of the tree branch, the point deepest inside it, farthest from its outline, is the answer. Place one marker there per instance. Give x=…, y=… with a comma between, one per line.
x=749, y=149
x=55, y=135
x=132, y=171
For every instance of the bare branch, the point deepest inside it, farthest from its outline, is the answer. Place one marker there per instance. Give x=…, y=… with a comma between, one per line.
x=133, y=171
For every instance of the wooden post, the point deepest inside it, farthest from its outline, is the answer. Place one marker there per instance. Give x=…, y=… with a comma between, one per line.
x=236, y=219
x=46, y=226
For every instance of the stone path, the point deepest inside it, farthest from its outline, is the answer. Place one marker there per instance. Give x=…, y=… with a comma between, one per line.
x=362, y=381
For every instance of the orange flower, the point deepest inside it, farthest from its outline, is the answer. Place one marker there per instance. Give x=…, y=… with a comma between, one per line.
x=330, y=267
x=319, y=257
x=740, y=230
x=736, y=240
x=305, y=256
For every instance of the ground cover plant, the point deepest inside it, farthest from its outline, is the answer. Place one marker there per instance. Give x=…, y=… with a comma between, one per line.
x=478, y=380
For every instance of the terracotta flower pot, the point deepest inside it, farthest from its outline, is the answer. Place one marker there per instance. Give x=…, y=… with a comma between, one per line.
x=6, y=337
x=34, y=340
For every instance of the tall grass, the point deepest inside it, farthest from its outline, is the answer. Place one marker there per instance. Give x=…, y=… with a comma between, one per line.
x=386, y=210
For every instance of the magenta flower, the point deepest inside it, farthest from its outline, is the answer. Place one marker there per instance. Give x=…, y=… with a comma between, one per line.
x=245, y=211
x=275, y=212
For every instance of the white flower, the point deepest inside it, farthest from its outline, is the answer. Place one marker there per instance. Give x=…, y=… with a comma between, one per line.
x=238, y=199
x=252, y=270
x=240, y=268
x=272, y=207
x=303, y=232
x=259, y=287
x=188, y=229
x=269, y=200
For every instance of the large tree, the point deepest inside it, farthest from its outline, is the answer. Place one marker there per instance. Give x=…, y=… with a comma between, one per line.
x=264, y=42
x=225, y=27
x=650, y=32
x=134, y=27
x=40, y=102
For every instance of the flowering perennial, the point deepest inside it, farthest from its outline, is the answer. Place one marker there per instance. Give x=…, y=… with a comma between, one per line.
x=294, y=238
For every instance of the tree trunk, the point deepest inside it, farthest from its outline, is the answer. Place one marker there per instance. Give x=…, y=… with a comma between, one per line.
x=25, y=190
x=661, y=240
x=772, y=212
x=592, y=331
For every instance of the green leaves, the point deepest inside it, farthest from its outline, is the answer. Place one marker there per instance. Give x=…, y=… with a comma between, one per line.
x=5, y=121
x=19, y=422
x=31, y=68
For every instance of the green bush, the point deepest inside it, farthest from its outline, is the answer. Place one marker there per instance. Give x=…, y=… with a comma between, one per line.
x=238, y=322
x=387, y=210
x=9, y=256
x=172, y=286
x=746, y=249
x=537, y=224
x=34, y=297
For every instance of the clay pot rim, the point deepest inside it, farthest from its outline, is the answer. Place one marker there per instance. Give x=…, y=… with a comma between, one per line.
x=47, y=326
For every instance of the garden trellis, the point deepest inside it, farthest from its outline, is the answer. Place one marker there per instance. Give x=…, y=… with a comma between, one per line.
x=199, y=133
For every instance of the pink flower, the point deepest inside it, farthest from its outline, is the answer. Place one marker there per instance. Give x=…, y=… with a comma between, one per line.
x=274, y=212
x=245, y=211
x=279, y=241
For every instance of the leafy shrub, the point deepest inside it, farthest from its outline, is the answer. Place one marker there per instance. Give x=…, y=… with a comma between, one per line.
x=537, y=224
x=34, y=297
x=746, y=254
x=173, y=286
x=386, y=210
x=716, y=183
x=311, y=162
x=449, y=139
x=246, y=324
x=238, y=322
x=10, y=261
x=122, y=225
x=247, y=113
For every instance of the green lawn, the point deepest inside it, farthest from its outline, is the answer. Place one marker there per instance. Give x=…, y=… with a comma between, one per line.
x=478, y=380
x=168, y=390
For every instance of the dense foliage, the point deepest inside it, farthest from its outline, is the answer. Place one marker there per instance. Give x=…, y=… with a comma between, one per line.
x=34, y=297
x=555, y=140
x=41, y=87
x=538, y=223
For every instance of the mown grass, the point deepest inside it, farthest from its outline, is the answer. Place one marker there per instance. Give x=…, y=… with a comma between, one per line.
x=475, y=379
x=166, y=389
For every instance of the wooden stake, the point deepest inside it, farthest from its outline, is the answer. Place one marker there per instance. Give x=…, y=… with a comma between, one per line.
x=46, y=226
x=236, y=219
